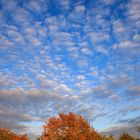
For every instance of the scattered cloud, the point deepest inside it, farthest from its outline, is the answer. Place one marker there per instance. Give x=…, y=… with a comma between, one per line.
x=61, y=56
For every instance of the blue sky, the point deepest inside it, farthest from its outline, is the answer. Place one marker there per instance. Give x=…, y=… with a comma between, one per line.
x=81, y=56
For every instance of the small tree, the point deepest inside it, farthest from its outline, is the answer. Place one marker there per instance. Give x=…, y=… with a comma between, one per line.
x=69, y=127
x=138, y=128
x=23, y=137
x=126, y=136
x=107, y=138
x=7, y=134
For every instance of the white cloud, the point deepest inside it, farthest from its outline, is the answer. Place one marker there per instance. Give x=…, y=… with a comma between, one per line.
x=80, y=9
x=15, y=36
x=120, y=81
x=63, y=88
x=98, y=36
x=9, y=5
x=82, y=62
x=52, y=29
x=7, y=81
x=80, y=77
x=118, y=26
x=77, y=15
x=136, y=37
x=102, y=49
x=42, y=32
x=94, y=71
x=133, y=10
x=63, y=36
x=29, y=30
x=65, y=4
x=134, y=90
x=45, y=82
x=36, y=7
x=20, y=15
x=86, y=51
x=5, y=42
x=66, y=73
x=100, y=92
x=126, y=44
x=34, y=41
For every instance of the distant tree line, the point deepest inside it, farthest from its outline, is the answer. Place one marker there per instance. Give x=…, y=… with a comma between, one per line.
x=65, y=127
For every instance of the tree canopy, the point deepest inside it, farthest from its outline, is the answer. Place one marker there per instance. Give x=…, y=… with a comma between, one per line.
x=69, y=127
x=126, y=136
x=7, y=134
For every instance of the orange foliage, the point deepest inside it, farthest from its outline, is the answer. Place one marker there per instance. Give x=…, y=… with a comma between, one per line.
x=7, y=134
x=23, y=137
x=69, y=127
x=126, y=136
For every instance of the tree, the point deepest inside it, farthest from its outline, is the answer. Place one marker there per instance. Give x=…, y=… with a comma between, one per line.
x=126, y=136
x=7, y=134
x=69, y=127
x=23, y=137
x=107, y=137
x=138, y=128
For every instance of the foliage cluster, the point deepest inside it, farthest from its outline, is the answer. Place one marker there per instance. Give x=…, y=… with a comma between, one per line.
x=7, y=134
x=65, y=127
x=74, y=127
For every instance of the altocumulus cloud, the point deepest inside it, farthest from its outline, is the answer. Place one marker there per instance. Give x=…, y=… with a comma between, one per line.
x=60, y=56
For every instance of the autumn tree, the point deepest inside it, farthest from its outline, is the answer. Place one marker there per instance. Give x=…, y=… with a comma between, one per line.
x=126, y=136
x=69, y=127
x=23, y=137
x=110, y=137
x=138, y=128
x=107, y=138
x=7, y=134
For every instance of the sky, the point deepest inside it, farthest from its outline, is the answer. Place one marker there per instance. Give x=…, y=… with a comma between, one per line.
x=80, y=56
